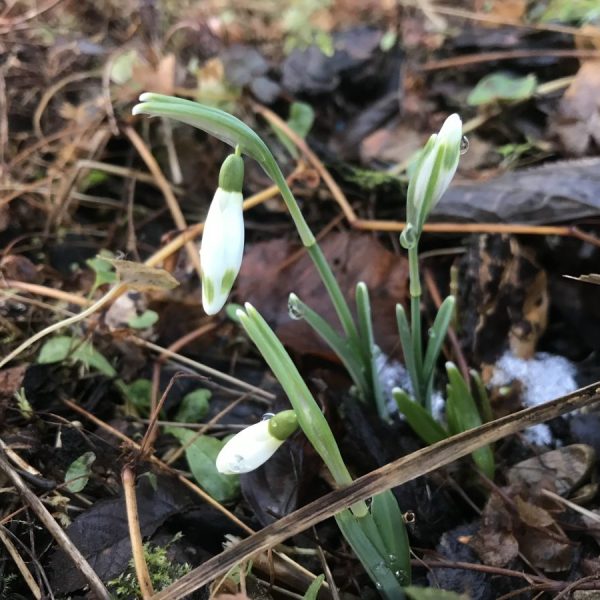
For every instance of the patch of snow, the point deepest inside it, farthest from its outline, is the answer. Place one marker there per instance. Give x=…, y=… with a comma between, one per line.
x=393, y=374
x=544, y=377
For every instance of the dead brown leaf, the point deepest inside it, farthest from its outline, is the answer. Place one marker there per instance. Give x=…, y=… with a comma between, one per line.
x=269, y=274
x=544, y=551
x=560, y=471
x=578, y=119
x=532, y=515
x=495, y=543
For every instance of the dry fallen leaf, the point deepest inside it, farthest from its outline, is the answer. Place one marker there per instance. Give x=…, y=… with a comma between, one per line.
x=578, y=120
x=140, y=277
x=269, y=273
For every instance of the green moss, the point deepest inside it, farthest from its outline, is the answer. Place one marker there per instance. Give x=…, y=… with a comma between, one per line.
x=163, y=572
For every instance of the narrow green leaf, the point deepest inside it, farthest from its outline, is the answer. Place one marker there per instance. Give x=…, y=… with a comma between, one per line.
x=461, y=399
x=464, y=415
x=313, y=589
x=79, y=471
x=365, y=328
x=437, y=336
x=484, y=401
x=349, y=356
x=374, y=564
x=422, y=423
x=201, y=455
x=390, y=523
x=193, y=407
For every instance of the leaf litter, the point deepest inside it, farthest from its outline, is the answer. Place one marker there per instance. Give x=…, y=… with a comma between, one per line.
x=348, y=78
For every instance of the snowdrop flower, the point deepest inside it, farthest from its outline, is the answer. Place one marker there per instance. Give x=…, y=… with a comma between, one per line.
x=223, y=238
x=431, y=177
x=253, y=446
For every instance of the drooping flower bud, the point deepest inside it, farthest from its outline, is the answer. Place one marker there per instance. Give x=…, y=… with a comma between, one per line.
x=433, y=172
x=222, y=244
x=253, y=446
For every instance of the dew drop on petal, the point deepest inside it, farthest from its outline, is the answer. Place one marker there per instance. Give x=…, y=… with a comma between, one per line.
x=464, y=144
x=267, y=416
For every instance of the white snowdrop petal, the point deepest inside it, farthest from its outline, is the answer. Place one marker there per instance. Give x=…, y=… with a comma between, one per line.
x=247, y=450
x=222, y=248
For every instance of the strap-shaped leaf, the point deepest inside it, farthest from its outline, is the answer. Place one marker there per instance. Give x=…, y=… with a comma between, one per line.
x=464, y=415
x=349, y=355
x=373, y=562
x=219, y=123
x=390, y=523
x=437, y=335
x=422, y=423
x=365, y=328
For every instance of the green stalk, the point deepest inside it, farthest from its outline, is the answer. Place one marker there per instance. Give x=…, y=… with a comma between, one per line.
x=415, y=318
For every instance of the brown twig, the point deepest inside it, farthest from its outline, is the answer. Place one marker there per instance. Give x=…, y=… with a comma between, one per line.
x=135, y=535
x=18, y=560
x=391, y=475
x=55, y=530
x=168, y=194
x=500, y=20
x=397, y=226
x=484, y=57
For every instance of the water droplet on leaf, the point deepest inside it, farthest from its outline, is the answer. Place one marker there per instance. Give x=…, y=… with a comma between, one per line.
x=464, y=144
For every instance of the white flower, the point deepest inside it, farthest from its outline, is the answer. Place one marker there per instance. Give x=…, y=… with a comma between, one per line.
x=253, y=446
x=434, y=171
x=248, y=449
x=222, y=245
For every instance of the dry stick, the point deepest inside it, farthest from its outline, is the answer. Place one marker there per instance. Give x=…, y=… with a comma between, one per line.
x=175, y=347
x=391, y=475
x=55, y=530
x=398, y=226
x=133, y=522
x=471, y=59
x=204, y=368
x=14, y=553
x=165, y=188
x=110, y=295
x=500, y=20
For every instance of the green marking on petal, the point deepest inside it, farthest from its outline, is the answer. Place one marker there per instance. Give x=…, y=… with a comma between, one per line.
x=450, y=155
x=209, y=289
x=227, y=281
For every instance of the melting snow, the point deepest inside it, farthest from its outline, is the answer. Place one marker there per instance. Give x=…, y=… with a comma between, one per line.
x=544, y=377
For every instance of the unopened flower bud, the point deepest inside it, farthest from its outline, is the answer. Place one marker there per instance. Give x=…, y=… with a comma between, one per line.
x=222, y=245
x=433, y=172
x=253, y=446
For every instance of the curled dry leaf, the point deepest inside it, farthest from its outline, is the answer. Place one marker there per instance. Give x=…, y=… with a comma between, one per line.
x=140, y=277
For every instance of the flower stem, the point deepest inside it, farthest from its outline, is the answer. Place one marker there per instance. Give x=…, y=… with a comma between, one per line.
x=415, y=318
